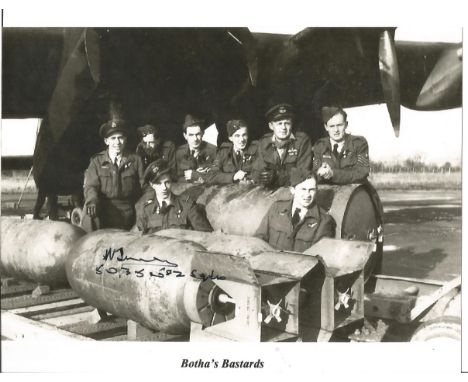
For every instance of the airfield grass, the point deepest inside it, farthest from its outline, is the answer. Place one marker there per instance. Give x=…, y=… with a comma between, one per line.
x=416, y=180
x=380, y=180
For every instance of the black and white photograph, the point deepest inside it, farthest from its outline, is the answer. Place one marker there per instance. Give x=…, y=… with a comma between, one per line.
x=209, y=189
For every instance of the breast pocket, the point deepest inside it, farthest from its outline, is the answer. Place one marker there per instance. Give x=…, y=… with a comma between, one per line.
x=130, y=182
x=177, y=220
x=326, y=158
x=349, y=160
x=228, y=166
x=188, y=163
x=105, y=178
x=280, y=235
x=291, y=156
x=155, y=222
x=306, y=234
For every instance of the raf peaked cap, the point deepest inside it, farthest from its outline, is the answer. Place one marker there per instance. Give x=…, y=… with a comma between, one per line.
x=155, y=170
x=330, y=111
x=298, y=175
x=280, y=111
x=234, y=124
x=112, y=127
x=148, y=129
x=192, y=120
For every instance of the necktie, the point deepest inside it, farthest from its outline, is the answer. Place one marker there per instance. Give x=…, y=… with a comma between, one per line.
x=163, y=208
x=335, y=150
x=296, y=217
x=117, y=175
x=239, y=158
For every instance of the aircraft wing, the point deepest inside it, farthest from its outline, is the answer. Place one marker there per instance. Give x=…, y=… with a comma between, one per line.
x=78, y=78
x=355, y=67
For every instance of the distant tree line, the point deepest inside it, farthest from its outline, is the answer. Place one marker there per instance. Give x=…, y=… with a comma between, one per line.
x=413, y=165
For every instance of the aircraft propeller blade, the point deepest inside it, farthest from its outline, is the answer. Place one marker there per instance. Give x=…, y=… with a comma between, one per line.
x=245, y=38
x=390, y=78
x=91, y=43
x=444, y=80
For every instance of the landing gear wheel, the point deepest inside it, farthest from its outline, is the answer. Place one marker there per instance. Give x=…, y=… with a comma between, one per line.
x=76, y=216
x=440, y=329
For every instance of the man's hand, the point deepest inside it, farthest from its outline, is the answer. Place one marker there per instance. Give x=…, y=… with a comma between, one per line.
x=325, y=171
x=266, y=177
x=203, y=169
x=91, y=209
x=239, y=175
x=188, y=174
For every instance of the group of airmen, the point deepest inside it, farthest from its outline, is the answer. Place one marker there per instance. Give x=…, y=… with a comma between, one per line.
x=117, y=180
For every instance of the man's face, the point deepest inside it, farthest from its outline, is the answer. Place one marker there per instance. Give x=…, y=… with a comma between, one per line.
x=149, y=141
x=116, y=142
x=336, y=127
x=282, y=128
x=239, y=138
x=162, y=187
x=304, y=193
x=194, y=136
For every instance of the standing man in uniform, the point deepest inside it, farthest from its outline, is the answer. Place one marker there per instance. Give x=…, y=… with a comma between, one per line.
x=162, y=209
x=195, y=158
x=112, y=182
x=340, y=158
x=281, y=150
x=152, y=148
x=296, y=225
x=235, y=158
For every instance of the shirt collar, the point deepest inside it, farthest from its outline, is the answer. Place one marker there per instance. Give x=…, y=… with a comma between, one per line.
x=292, y=137
x=112, y=158
x=340, y=144
x=168, y=201
x=305, y=212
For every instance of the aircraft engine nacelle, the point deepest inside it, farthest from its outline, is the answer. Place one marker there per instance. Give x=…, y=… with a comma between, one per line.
x=36, y=250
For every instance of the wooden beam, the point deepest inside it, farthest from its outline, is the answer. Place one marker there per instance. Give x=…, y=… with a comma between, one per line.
x=424, y=302
x=47, y=308
x=410, y=279
x=15, y=327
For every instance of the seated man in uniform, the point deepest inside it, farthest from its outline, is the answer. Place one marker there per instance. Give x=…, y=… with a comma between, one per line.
x=195, y=158
x=340, y=158
x=163, y=209
x=296, y=225
x=281, y=150
x=112, y=182
x=235, y=158
x=151, y=147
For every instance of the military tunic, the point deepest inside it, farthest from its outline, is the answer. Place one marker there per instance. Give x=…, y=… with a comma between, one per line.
x=351, y=165
x=181, y=213
x=205, y=159
x=164, y=151
x=297, y=153
x=114, y=191
x=227, y=163
x=277, y=229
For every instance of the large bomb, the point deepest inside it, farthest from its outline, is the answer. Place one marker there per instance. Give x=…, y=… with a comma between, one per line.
x=141, y=278
x=36, y=250
x=243, y=246
x=238, y=209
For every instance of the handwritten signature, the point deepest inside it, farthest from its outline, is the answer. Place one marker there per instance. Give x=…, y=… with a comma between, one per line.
x=165, y=270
